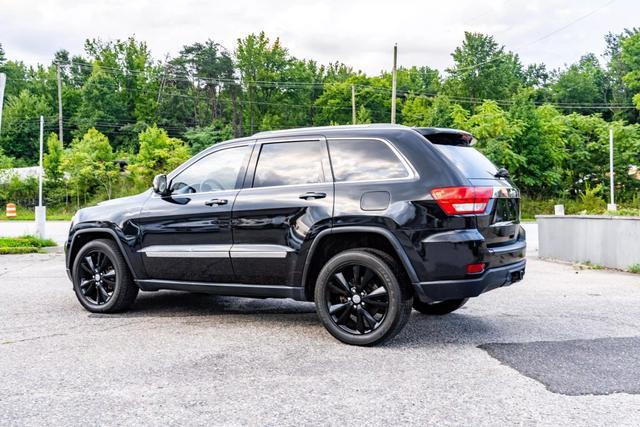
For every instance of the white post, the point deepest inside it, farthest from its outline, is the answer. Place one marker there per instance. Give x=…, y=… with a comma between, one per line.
x=41, y=211
x=394, y=83
x=611, y=206
x=353, y=104
x=3, y=81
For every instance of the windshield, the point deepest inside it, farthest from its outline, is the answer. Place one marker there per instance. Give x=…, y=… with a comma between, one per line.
x=471, y=162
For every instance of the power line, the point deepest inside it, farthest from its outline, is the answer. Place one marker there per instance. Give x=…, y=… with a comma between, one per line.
x=564, y=27
x=552, y=33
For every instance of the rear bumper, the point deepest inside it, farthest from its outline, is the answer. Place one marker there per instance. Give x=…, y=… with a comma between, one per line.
x=466, y=288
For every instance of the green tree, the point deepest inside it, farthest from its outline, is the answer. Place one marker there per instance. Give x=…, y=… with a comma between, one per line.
x=587, y=142
x=581, y=83
x=373, y=93
x=158, y=153
x=204, y=137
x=16, y=73
x=5, y=161
x=416, y=111
x=90, y=165
x=260, y=60
x=363, y=116
x=617, y=68
x=122, y=89
x=495, y=131
x=21, y=126
x=211, y=68
x=483, y=70
x=53, y=158
x=630, y=57
x=540, y=144
x=103, y=106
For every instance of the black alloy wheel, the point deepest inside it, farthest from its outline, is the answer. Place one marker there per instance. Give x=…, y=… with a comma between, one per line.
x=102, y=280
x=97, y=277
x=357, y=299
x=360, y=299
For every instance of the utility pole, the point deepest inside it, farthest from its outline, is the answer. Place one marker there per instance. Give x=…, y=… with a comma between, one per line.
x=612, y=205
x=59, y=107
x=394, y=84
x=353, y=103
x=3, y=81
x=160, y=88
x=41, y=211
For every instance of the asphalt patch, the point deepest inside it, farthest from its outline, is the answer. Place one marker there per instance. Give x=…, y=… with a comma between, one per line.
x=576, y=367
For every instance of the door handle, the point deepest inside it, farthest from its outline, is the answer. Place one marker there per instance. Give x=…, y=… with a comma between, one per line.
x=313, y=195
x=216, y=202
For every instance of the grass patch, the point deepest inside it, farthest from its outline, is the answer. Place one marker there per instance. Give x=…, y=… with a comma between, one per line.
x=23, y=244
x=19, y=250
x=591, y=266
x=530, y=207
x=635, y=268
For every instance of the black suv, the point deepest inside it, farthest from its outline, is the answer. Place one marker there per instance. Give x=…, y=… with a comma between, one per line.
x=367, y=221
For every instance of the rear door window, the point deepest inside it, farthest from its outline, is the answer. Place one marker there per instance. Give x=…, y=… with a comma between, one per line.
x=364, y=160
x=289, y=163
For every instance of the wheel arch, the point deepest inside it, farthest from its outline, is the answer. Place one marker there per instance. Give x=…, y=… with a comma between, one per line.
x=83, y=236
x=363, y=236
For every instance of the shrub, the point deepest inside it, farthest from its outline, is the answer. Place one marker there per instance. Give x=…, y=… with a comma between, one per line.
x=590, y=201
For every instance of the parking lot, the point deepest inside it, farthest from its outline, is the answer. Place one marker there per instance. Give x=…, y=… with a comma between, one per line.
x=561, y=346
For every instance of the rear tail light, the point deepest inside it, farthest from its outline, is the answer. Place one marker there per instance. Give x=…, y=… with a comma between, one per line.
x=475, y=268
x=462, y=200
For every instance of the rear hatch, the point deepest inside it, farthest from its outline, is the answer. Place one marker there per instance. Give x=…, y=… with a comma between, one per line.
x=499, y=222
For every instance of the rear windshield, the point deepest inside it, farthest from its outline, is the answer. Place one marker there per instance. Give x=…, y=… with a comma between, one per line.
x=471, y=162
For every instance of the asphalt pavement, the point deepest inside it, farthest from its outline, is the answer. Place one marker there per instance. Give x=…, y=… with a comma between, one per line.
x=559, y=347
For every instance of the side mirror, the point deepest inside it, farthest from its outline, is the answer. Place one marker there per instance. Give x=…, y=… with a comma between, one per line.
x=160, y=185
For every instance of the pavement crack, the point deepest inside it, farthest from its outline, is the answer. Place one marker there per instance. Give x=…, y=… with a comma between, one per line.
x=61, y=334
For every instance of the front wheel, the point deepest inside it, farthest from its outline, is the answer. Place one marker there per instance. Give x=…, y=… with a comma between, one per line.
x=359, y=299
x=439, y=308
x=101, y=278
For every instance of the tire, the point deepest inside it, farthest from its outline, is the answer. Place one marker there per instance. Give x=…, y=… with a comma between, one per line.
x=439, y=308
x=107, y=270
x=378, y=292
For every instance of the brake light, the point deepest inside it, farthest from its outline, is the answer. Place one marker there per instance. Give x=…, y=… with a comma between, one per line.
x=462, y=200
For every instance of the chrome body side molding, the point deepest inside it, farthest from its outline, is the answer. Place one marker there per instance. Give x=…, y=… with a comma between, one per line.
x=216, y=251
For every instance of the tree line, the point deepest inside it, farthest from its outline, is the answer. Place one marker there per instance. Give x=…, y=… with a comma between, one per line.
x=127, y=115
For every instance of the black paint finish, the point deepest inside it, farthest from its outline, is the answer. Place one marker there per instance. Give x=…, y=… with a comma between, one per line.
x=187, y=220
x=282, y=227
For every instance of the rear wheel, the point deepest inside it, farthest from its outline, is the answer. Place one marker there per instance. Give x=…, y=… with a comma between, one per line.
x=439, y=308
x=359, y=299
x=101, y=278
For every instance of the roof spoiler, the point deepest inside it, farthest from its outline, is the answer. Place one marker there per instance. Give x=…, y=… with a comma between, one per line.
x=445, y=136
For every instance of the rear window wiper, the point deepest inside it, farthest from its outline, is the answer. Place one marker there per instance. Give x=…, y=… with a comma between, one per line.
x=502, y=173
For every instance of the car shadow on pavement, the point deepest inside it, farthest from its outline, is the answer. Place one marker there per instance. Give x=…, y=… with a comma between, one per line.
x=184, y=304
x=454, y=328
x=420, y=331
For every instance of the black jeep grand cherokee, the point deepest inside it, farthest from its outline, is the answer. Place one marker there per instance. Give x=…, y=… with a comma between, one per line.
x=367, y=221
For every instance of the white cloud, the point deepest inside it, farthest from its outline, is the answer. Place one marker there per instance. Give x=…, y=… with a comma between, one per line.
x=359, y=33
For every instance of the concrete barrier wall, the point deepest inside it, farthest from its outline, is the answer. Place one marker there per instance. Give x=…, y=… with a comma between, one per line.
x=610, y=241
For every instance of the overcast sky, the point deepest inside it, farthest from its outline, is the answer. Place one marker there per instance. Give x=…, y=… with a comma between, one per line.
x=358, y=33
